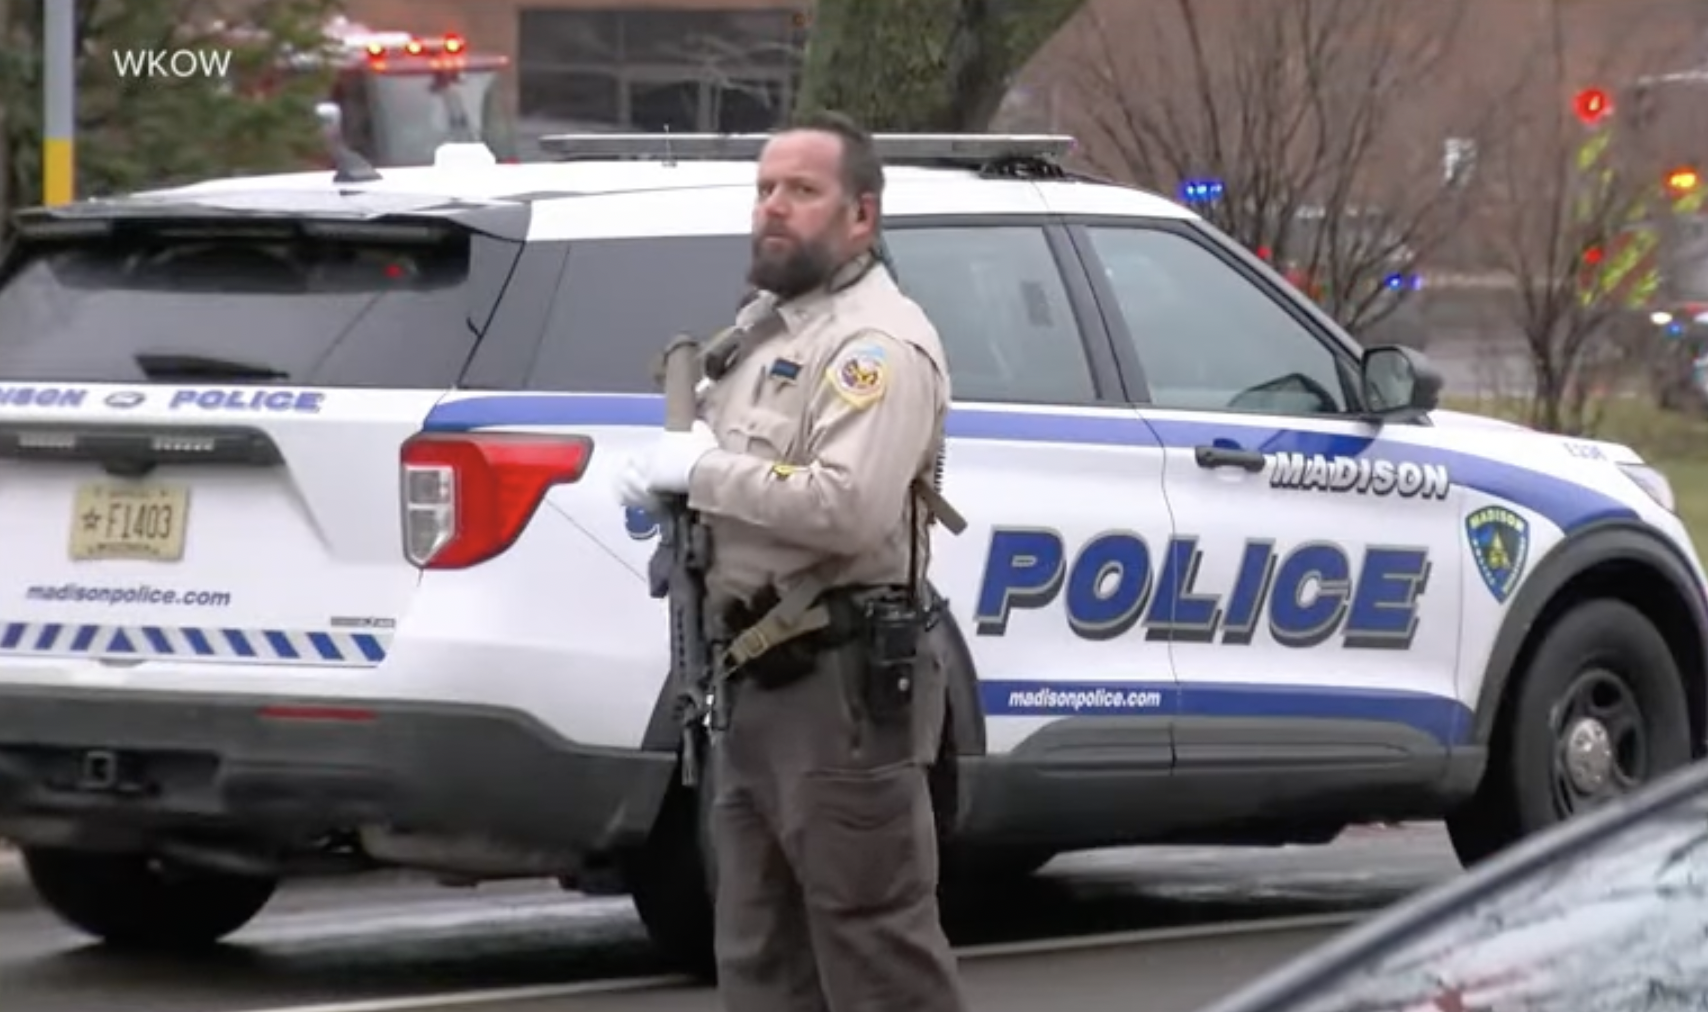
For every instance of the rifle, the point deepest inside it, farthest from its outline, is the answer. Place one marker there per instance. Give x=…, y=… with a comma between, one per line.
x=678, y=569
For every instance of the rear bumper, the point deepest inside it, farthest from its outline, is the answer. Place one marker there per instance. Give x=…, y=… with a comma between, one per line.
x=199, y=763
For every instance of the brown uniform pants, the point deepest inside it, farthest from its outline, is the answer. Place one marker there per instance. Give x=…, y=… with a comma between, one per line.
x=826, y=850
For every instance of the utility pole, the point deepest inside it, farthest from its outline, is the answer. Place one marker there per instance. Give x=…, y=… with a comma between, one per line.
x=59, y=100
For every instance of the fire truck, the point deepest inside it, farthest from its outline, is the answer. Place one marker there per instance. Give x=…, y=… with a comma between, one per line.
x=398, y=96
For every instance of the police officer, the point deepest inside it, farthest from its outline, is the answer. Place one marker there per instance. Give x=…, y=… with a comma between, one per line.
x=812, y=471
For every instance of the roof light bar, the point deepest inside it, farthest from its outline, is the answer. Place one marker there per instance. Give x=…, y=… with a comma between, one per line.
x=967, y=149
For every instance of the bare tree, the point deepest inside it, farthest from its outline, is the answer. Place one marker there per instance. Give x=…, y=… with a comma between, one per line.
x=931, y=66
x=1304, y=117
x=1572, y=211
x=753, y=69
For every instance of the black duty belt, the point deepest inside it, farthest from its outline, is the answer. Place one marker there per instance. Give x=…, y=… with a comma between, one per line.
x=840, y=617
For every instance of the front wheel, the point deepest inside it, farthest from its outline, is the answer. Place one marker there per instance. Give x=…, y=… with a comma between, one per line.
x=137, y=901
x=1598, y=712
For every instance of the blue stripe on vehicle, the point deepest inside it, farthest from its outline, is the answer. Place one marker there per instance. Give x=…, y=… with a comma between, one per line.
x=157, y=640
x=1568, y=505
x=198, y=641
x=260, y=646
x=369, y=646
x=1443, y=719
x=238, y=642
x=324, y=645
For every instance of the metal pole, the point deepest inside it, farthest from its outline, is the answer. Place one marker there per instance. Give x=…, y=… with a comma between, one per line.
x=59, y=100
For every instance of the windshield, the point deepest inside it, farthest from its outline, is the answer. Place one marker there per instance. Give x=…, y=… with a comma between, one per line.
x=413, y=114
x=294, y=310
x=1618, y=927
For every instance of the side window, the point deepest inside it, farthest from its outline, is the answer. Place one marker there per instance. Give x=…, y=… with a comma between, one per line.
x=1207, y=337
x=621, y=301
x=997, y=299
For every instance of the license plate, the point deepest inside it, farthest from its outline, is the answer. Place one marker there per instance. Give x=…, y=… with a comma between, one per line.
x=126, y=521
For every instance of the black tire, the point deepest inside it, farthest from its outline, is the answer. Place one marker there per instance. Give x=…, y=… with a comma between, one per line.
x=672, y=879
x=1603, y=662
x=994, y=866
x=134, y=901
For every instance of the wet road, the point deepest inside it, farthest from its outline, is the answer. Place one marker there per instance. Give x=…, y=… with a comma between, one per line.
x=359, y=941
x=1163, y=972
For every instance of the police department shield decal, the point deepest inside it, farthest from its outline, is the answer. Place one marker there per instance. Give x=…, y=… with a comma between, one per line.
x=639, y=523
x=1500, y=544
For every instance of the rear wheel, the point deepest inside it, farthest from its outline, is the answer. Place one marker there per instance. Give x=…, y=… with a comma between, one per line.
x=136, y=901
x=987, y=866
x=671, y=878
x=1598, y=712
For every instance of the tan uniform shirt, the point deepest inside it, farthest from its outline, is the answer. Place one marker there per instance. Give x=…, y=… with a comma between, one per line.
x=822, y=427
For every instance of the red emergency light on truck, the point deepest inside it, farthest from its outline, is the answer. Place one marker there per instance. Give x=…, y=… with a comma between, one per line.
x=398, y=97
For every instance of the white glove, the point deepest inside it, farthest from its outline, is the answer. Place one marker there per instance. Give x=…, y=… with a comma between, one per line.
x=664, y=467
x=631, y=486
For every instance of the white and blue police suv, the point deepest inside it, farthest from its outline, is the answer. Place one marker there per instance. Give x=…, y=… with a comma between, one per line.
x=312, y=560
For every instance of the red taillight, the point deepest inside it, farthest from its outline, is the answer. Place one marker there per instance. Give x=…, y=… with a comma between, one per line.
x=466, y=497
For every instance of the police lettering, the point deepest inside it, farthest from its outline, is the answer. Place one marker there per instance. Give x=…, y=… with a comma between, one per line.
x=306, y=401
x=42, y=397
x=1303, y=597
x=1314, y=472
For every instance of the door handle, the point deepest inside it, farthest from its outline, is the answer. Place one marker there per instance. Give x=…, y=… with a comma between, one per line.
x=1212, y=457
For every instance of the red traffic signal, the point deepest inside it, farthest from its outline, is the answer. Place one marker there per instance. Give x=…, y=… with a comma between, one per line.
x=1592, y=105
x=1683, y=180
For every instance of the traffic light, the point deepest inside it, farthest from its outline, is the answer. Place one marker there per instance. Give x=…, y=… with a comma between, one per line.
x=1683, y=180
x=1592, y=105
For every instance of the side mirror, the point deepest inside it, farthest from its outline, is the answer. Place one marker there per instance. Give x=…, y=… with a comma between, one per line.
x=1400, y=384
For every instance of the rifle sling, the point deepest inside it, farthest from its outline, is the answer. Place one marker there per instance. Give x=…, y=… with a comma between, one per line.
x=798, y=612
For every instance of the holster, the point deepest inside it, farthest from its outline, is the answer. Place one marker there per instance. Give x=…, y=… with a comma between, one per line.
x=788, y=661
x=888, y=629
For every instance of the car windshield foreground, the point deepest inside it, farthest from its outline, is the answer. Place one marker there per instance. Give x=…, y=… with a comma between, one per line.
x=1604, y=914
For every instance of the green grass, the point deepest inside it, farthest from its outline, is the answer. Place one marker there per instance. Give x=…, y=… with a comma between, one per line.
x=1675, y=443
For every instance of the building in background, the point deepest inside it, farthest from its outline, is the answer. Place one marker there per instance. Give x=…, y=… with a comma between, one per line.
x=687, y=65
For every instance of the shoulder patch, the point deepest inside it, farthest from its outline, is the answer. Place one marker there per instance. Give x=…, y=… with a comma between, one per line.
x=860, y=373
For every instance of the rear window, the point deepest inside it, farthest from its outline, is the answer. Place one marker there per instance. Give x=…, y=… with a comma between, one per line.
x=310, y=312
x=622, y=300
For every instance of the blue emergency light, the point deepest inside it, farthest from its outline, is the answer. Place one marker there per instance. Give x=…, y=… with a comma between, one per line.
x=1200, y=191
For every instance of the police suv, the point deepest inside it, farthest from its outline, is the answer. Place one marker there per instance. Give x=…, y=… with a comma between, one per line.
x=313, y=561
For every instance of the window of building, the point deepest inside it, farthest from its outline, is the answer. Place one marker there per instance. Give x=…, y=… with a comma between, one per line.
x=657, y=69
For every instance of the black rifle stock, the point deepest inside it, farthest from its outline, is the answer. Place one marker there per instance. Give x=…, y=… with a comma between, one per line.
x=679, y=566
